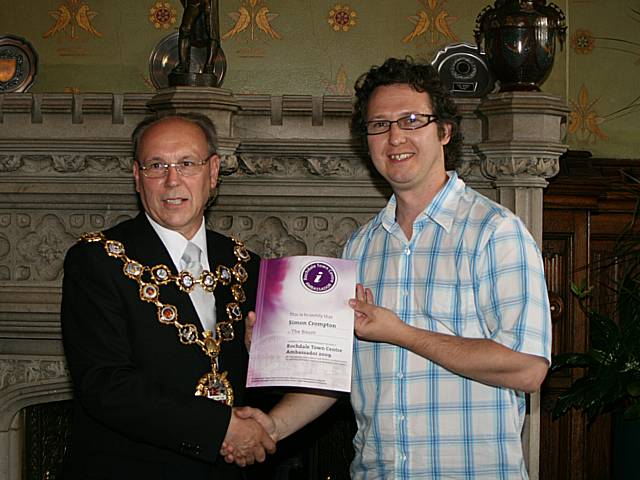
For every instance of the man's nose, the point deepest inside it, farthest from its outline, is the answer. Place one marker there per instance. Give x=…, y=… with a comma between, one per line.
x=172, y=177
x=396, y=134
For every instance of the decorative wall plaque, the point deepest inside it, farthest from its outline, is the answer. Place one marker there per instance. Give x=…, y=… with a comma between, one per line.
x=18, y=64
x=463, y=69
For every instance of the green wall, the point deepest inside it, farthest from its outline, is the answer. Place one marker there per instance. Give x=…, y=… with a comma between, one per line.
x=597, y=72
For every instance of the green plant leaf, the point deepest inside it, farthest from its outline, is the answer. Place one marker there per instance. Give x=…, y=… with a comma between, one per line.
x=633, y=412
x=581, y=291
x=604, y=333
x=634, y=388
x=572, y=360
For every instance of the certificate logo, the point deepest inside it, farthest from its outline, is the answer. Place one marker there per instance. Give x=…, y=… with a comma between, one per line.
x=319, y=277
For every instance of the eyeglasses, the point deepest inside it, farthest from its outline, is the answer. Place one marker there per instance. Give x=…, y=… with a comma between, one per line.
x=186, y=168
x=413, y=121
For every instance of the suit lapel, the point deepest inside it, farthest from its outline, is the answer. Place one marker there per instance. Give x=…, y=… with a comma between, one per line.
x=144, y=246
x=216, y=257
x=233, y=357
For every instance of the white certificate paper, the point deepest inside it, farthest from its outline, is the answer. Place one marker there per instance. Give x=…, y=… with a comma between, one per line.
x=303, y=336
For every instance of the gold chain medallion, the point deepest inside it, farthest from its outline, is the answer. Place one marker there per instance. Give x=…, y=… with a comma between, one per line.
x=213, y=384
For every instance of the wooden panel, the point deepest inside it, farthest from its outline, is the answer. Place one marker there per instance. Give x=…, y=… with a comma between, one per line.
x=586, y=209
x=565, y=254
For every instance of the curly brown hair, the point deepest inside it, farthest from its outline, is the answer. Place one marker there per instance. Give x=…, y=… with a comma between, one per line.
x=422, y=77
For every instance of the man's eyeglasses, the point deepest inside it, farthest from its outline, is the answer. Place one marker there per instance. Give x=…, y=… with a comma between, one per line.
x=186, y=168
x=412, y=121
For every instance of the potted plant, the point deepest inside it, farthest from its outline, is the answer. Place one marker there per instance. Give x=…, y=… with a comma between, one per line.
x=611, y=379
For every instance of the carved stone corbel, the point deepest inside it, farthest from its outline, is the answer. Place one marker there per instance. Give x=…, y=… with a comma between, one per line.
x=520, y=166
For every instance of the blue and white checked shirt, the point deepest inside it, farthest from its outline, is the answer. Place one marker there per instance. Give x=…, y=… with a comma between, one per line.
x=471, y=269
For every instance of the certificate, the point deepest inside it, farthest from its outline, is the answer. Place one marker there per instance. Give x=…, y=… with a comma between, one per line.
x=303, y=336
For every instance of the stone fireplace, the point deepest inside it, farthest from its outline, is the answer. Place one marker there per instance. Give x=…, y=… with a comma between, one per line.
x=293, y=182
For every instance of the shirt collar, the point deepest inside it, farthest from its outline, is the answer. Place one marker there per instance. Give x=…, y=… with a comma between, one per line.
x=440, y=210
x=175, y=242
x=444, y=205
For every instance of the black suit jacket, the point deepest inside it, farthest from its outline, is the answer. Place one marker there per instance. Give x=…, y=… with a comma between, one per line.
x=135, y=412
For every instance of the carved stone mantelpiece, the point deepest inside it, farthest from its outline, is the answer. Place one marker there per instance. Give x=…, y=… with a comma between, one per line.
x=16, y=372
x=25, y=381
x=292, y=182
x=290, y=233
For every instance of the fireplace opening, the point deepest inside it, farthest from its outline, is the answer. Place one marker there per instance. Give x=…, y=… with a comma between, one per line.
x=46, y=436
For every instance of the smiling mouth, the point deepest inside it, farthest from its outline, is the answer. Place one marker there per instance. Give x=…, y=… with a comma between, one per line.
x=398, y=157
x=175, y=201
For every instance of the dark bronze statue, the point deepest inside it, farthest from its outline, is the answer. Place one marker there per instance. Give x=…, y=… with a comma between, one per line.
x=200, y=27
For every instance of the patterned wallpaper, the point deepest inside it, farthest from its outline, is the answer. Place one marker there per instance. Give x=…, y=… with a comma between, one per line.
x=603, y=72
x=319, y=47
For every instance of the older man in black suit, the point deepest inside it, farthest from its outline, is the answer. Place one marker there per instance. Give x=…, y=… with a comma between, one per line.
x=152, y=324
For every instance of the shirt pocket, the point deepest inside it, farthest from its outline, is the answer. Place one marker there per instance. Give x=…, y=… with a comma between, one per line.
x=445, y=302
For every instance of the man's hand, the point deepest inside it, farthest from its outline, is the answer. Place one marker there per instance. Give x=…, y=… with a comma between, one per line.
x=259, y=416
x=248, y=329
x=246, y=441
x=373, y=323
x=229, y=451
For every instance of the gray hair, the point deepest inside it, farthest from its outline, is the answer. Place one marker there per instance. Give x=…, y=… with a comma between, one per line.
x=202, y=121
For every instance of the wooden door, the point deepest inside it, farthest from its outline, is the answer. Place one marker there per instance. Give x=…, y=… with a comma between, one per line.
x=565, y=253
x=586, y=208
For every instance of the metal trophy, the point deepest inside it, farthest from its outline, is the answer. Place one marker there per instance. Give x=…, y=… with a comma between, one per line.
x=463, y=69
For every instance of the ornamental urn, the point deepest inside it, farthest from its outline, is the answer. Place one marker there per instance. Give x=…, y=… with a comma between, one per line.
x=520, y=41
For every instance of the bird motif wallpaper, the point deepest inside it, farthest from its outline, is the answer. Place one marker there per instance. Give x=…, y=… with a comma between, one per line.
x=320, y=47
x=254, y=18
x=432, y=24
x=71, y=16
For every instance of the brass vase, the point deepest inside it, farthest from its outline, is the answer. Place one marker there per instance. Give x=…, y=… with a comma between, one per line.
x=520, y=41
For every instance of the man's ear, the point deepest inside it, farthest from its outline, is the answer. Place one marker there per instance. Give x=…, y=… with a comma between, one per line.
x=136, y=175
x=214, y=169
x=444, y=132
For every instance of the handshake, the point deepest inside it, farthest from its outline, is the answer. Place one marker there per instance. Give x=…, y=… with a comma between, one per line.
x=250, y=436
x=252, y=433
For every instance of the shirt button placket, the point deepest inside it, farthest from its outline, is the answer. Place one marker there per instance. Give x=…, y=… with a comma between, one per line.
x=401, y=458
x=402, y=454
